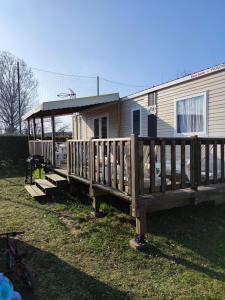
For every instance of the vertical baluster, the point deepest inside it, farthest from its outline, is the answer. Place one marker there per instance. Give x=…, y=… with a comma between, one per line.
x=207, y=162
x=98, y=163
x=129, y=167
x=114, y=165
x=173, y=164
x=103, y=162
x=121, y=166
x=215, y=161
x=192, y=162
x=76, y=158
x=183, y=173
x=152, y=166
x=199, y=161
x=85, y=160
x=81, y=159
x=141, y=167
x=222, y=160
x=108, y=164
x=163, y=165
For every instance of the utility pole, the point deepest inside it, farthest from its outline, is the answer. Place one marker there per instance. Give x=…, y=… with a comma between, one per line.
x=18, y=87
x=97, y=85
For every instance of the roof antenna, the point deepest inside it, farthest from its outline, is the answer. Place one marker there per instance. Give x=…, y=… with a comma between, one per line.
x=71, y=94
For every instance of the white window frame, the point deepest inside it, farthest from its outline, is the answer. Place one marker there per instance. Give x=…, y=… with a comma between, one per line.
x=99, y=117
x=132, y=123
x=205, y=112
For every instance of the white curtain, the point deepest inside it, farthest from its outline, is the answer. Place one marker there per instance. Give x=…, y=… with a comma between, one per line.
x=190, y=115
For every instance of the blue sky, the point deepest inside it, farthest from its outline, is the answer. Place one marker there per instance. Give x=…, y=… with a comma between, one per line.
x=138, y=42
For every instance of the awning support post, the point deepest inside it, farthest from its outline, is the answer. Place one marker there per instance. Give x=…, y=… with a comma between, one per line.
x=28, y=128
x=53, y=139
x=42, y=129
x=34, y=124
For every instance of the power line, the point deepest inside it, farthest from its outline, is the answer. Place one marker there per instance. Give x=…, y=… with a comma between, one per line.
x=121, y=83
x=62, y=74
x=90, y=77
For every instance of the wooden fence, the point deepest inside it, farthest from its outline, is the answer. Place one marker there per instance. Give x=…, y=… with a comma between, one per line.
x=138, y=166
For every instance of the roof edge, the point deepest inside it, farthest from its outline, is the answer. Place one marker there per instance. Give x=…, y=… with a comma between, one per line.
x=189, y=77
x=51, y=105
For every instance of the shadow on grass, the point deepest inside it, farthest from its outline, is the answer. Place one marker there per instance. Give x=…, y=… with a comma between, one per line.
x=198, y=229
x=55, y=279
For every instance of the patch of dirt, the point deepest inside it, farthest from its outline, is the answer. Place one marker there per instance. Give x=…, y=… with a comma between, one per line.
x=68, y=219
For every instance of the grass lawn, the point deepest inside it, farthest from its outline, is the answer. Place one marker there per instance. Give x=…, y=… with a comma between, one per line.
x=74, y=256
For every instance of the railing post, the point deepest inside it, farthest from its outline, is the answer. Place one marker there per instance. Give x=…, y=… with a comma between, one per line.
x=68, y=157
x=137, y=206
x=94, y=194
x=195, y=164
x=53, y=139
x=134, y=172
x=90, y=161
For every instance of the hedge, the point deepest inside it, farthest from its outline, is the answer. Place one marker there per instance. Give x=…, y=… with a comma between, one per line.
x=13, y=147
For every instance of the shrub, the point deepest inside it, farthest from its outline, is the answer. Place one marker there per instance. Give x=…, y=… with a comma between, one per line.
x=13, y=148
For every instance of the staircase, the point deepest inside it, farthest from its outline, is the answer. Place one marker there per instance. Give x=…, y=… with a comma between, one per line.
x=46, y=187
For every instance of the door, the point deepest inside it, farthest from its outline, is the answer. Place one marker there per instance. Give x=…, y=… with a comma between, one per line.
x=101, y=127
x=152, y=125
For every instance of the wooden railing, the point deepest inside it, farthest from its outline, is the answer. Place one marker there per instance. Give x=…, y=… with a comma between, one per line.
x=138, y=165
x=78, y=158
x=112, y=163
x=44, y=148
x=101, y=161
x=174, y=163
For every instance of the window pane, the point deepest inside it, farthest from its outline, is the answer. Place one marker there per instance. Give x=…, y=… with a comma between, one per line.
x=104, y=128
x=96, y=128
x=136, y=122
x=190, y=115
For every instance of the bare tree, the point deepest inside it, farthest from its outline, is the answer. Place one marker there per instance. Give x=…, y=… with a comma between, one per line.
x=9, y=104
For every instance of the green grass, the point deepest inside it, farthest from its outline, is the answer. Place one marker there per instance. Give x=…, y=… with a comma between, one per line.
x=185, y=260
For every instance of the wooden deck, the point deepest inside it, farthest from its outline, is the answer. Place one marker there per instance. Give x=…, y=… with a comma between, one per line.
x=151, y=174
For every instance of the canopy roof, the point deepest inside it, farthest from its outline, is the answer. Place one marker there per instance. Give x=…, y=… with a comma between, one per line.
x=69, y=106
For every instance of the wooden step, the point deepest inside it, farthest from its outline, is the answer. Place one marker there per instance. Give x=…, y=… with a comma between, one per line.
x=56, y=179
x=35, y=192
x=46, y=186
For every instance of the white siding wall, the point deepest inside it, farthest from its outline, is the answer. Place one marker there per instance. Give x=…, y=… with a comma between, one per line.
x=88, y=116
x=214, y=84
x=126, y=110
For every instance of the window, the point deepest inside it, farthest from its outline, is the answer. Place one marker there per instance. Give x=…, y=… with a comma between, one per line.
x=101, y=127
x=104, y=127
x=191, y=117
x=96, y=129
x=152, y=99
x=136, y=121
x=152, y=125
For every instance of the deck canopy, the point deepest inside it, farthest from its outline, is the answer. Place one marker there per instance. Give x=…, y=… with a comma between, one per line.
x=69, y=106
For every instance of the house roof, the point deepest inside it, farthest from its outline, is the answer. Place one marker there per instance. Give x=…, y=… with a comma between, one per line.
x=189, y=77
x=69, y=106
